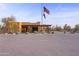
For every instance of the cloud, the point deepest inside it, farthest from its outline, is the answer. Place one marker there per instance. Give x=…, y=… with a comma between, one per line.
x=34, y=19
x=22, y=15
x=4, y=10
x=2, y=6
x=62, y=18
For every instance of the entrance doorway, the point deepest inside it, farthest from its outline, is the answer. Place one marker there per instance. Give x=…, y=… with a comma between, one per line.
x=24, y=29
x=34, y=29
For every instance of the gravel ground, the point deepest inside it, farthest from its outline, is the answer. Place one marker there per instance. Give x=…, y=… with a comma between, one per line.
x=58, y=44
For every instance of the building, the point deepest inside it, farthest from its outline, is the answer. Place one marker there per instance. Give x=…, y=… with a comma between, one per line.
x=24, y=27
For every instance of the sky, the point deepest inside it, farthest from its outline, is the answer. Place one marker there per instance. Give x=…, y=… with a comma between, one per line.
x=60, y=13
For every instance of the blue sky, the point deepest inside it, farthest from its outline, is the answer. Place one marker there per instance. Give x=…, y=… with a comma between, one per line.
x=60, y=13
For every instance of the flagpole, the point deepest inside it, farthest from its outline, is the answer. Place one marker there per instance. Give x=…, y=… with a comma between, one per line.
x=41, y=14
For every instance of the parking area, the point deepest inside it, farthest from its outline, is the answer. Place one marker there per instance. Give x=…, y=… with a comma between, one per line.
x=57, y=44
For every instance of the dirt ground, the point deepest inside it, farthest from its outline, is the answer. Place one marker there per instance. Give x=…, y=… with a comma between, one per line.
x=57, y=44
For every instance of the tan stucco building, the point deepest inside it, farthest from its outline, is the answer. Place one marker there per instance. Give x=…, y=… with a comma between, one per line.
x=24, y=27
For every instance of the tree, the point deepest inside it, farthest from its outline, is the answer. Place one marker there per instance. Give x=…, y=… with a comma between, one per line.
x=67, y=27
x=58, y=28
x=7, y=19
x=77, y=27
x=0, y=26
x=4, y=20
x=9, y=24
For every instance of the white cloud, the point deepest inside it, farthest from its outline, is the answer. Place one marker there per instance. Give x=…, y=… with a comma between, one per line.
x=62, y=18
x=22, y=15
x=65, y=14
x=4, y=10
x=3, y=6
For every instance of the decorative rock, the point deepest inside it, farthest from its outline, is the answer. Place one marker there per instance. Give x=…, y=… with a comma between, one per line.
x=6, y=33
x=14, y=33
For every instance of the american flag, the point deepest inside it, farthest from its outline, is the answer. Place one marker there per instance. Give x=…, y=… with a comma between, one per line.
x=44, y=15
x=46, y=10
